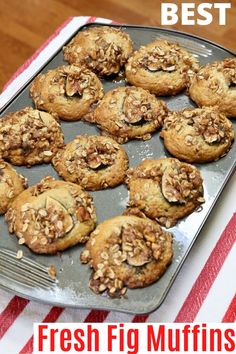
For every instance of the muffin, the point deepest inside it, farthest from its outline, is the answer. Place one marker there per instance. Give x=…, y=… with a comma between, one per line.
x=52, y=216
x=29, y=137
x=127, y=113
x=166, y=189
x=215, y=85
x=102, y=49
x=127, y=251
x=69, y=91
x=198, y=135
x=94, y=162
x=162, y=67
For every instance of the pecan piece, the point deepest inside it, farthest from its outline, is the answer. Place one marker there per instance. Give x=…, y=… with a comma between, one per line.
x=82, y=214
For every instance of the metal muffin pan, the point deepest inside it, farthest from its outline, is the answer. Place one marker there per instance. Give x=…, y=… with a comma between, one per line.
x=73, y=277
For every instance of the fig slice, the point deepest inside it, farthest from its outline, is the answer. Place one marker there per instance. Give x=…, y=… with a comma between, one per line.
x=132, y=110
x=101, y=161
x=210, y=138
x=73, y=86
x=138, y=253
x=44, y=117
x=169, y=184
x=94, y=161
x=94, y=164
x=153, y=67
x=53, y=207
x=170, y=68
x=143, y=256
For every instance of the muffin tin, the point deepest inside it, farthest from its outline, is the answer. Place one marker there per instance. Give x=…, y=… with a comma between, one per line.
x=73, y=277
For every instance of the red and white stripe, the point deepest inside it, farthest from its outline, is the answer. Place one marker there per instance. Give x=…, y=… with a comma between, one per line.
x=204, y=290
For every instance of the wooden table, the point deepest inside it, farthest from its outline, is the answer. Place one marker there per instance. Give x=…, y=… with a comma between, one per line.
x=25, y=24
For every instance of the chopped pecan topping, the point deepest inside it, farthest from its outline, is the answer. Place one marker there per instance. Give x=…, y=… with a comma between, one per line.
x=138, y=253
x=160, y=59
x=10, y=217
x=94, y=155
x=107, y=52
x=213, y=74
x=5, y=178
x=136, y=109
x=106, y=57
x=210, y=124
x=155, y=173
x=103, y=50
x=76, y=81
x=166, y=57
x=179, y=183
x=42, y=186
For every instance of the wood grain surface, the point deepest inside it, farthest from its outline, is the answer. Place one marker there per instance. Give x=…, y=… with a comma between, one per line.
x=26, y=24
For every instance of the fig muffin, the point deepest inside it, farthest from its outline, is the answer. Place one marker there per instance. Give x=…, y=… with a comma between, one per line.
x=127, y=113
x=166, y=189
x=162, y=67
x=69, y=91
x=215, y=85
x=102, y=49
x=198, y=135
x=94, y=162
x=29, y=137
x=127, y=252
x=51, y=216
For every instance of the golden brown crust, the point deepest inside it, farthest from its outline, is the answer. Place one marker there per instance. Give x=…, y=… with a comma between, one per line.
x=29, y=137
x=11, y=185
x=94, y=162
x=165, y=189
x=214, y=85
x=161, y=67
x=198, y=135
x=127, y=251
x=102, y=49
x=129, y=113
x=52, y=216
x=69, y=91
